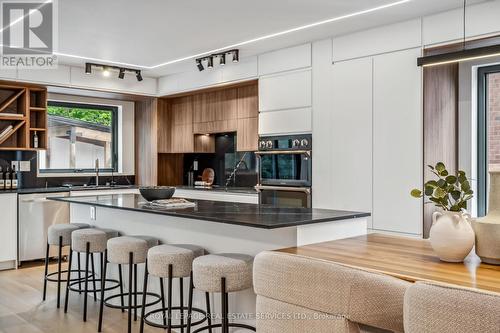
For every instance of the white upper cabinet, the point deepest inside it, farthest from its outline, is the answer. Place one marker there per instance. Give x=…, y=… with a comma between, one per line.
x=397, y=142
x=289, y=90
x=285, y=60
x=292, y=121
x=388, y=38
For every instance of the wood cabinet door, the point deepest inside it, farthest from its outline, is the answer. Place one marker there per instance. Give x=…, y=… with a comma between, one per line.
x=182, y=139
x=182, y=110
x=247, y=138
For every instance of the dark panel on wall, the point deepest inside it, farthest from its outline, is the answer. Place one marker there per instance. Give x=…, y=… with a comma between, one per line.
x=440, y=124
x=170, y=169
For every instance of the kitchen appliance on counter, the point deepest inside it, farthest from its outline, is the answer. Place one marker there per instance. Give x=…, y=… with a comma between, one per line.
x=36, y=215
x=285, y=170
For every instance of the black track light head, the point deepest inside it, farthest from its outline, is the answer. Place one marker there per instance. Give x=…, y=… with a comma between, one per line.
x=222, y=59
x=138, y=75
x=121, y=73
x=210, y=62
x=199, y=65
x=88, y=68
x=236, y=55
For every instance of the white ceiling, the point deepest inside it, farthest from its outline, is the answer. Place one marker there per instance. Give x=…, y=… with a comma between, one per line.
x=152, y=32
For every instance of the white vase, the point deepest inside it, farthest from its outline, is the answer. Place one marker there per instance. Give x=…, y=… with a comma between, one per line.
x=451, y=236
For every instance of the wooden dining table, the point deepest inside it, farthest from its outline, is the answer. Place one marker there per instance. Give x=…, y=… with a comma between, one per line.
x=406, y=258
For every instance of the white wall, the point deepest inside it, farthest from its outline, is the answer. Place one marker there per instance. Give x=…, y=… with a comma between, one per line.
x=126, y=130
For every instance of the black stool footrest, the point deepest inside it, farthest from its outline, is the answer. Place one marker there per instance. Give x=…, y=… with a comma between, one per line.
x=78, y=282
x=174, y=308
x=125, y=296
x=47, y=277
x=204, y=328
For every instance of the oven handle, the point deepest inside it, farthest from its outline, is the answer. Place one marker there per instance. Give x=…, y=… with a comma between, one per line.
x=288, y=152
x=283, y=188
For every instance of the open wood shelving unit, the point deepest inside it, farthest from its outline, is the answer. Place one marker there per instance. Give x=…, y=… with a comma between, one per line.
x=25, y=109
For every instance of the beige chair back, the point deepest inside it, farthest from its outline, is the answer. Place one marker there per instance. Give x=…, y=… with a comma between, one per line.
x=431, y=308
x=286, y=283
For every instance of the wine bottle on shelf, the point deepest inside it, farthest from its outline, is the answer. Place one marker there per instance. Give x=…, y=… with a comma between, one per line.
x=35, y=140
x=14, y=178
x=8, y=179
x=2, y=179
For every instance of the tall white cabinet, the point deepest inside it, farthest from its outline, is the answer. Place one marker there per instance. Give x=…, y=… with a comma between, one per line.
x=367, y=137
x=397, y=142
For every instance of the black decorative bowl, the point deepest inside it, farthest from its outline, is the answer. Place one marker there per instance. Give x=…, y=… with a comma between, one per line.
x=151, y=193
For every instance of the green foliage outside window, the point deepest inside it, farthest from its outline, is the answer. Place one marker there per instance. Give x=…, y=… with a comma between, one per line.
x=101, y=117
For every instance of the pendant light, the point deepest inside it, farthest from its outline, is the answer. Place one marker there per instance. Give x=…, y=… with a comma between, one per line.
x=463, y=55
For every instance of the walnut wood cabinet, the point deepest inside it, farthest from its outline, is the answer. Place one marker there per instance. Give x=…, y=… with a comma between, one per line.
x=186, y=123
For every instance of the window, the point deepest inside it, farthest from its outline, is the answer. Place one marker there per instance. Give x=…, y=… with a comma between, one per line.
x=78, y=134
x=488, y=131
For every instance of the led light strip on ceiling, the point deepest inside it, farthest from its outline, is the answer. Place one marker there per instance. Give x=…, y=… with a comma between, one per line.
x=250, y=41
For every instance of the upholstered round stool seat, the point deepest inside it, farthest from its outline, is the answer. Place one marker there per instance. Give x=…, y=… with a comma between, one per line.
x=97, y=239
x=181, y=259
x=119, y=249
x=198, y=251
x=152, y=241
x=234, y=267
x=57, y=230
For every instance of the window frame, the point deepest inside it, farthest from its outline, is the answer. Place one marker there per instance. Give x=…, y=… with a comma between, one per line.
x=482, y=137
x=114, y=136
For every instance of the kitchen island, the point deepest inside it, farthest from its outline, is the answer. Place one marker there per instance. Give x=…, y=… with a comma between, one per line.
x=218, y=227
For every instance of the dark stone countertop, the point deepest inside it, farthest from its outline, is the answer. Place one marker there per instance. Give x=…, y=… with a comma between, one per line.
x=250, y=215
x=58, y=189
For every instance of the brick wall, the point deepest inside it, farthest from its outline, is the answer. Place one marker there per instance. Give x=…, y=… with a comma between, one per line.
x=494, y=122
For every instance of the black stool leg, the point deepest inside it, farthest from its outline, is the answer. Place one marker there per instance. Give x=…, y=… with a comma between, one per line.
x=209, y=314
x=130, y=282
x=169, y=303
x=93, y=276
x=86, y=284
x=103, y=286
x=223, y=305
x=135, y=292
x=59, y=259
x=46, y=272
x=227, y=311
x=79, y=275
x=121, y=286
x=190, y=302
x=162, y=295
x=66, y=298
x=144, y=291
x=181, y=301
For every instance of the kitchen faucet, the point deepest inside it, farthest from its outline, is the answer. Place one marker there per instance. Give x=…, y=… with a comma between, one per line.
x=97, y=172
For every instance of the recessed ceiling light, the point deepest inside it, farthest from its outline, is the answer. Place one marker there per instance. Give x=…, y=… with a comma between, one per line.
x=246, y=42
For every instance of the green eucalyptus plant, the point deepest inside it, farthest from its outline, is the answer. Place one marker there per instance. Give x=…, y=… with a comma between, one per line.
x=449, y=192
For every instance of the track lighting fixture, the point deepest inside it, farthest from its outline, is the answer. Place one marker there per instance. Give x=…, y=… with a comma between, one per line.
x=138, y=75
x=209, y=59
x=200, y=65
x=106, y=70
x=236, y=55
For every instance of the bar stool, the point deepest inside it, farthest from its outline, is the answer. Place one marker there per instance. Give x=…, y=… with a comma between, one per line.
x=172, y=261
x=223, y=273
x=59, y=235
x=89, y=241
x=125, y=250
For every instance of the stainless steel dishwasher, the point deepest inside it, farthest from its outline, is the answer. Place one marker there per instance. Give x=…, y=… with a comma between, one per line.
x=36, y=215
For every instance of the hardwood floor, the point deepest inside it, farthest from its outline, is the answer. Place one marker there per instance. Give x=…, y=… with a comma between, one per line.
x=22, y=309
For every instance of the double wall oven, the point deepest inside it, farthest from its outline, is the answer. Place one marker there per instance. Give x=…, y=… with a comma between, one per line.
x=285, y=167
